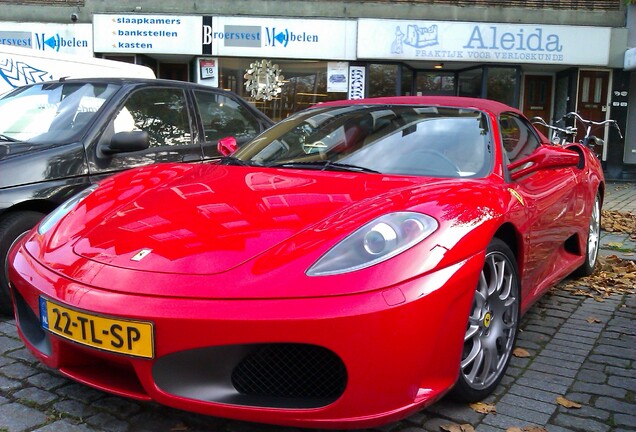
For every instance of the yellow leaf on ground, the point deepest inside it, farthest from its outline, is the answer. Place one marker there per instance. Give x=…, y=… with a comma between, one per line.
x=592, y=319
x=567, y=403
x=615, y=244
x=520, y=352
x=484, y=408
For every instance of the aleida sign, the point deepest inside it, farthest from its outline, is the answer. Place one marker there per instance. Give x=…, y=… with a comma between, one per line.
x=489, y=42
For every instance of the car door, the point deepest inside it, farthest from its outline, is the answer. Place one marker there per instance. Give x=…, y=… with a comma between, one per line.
x=548, y=196
x=223, y=115
x=164, y=113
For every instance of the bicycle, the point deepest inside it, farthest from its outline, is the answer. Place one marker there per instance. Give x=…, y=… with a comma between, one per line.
x=562, y=136
x=593, y=142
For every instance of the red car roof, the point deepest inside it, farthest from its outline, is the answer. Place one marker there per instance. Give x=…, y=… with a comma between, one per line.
x=450, y=101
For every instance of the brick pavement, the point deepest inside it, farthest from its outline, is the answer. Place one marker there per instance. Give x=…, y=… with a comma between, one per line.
x=579, y=348
x=620, y=196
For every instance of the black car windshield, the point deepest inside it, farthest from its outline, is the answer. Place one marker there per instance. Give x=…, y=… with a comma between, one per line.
x=395, y=139
x=51, y=112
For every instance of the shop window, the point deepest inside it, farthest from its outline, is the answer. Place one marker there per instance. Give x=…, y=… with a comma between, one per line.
x=304, y=90
x=502, y=85
x=383, y=79
x=435, y=83
x=305, y=84
x=469, y=83
x=407, y=81
x=561, y=96
x=173, y=71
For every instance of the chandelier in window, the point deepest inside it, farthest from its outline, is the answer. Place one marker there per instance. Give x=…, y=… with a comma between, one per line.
x=263, y=80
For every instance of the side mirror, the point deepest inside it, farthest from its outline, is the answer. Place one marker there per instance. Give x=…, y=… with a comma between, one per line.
x=226, y=146
x=126, y=142
x=545, y=157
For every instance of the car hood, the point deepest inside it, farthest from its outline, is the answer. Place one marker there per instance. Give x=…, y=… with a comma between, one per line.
x=211, y=218
x=9, y=148
x=166, y=229
x=24, y=163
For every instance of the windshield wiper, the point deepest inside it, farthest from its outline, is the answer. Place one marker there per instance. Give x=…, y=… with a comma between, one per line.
x=231, y=160
x=4, y=137
x=325, y=165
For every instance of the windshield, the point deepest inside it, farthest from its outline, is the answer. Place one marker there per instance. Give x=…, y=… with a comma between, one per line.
x=51, y=112
x=395, y=139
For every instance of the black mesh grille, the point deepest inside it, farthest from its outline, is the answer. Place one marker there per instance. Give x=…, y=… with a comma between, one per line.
x=291, y=371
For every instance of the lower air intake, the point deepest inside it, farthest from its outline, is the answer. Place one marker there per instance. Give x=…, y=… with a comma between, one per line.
x=290, y=371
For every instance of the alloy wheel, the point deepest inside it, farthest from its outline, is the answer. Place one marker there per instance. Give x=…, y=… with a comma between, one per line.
x=492, y=324
x=594, y=233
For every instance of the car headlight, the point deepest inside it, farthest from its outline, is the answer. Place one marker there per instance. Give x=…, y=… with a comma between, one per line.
x=64, y=208
x=375, y=242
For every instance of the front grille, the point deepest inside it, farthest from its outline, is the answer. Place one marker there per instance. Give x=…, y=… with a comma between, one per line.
x=290, y=371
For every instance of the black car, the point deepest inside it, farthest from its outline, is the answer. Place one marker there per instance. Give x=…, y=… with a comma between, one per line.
x=57, y=138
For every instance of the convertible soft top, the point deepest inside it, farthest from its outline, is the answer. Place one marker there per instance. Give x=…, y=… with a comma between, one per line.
x=449, y=101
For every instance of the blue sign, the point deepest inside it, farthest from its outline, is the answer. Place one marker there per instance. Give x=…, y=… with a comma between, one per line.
x=285, y=36
x=55, y=42
x=16, y=38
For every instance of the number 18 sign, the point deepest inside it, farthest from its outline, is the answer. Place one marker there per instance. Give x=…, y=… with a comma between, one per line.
x=209, y=71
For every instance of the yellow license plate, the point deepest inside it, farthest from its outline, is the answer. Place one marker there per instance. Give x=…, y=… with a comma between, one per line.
x=123, y=336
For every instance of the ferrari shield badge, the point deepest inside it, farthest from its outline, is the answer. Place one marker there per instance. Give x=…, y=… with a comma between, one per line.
x=141, y=254
x=516, y=195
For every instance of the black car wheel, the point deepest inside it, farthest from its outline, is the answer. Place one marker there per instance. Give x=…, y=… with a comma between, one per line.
x=12, y=227
x=492, y=325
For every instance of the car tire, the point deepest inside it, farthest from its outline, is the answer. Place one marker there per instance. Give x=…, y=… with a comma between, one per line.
x=593, y=241
x=492, y=326
x=12, y=227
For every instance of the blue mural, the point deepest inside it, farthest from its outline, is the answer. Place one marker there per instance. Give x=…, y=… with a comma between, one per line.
x=19, y=73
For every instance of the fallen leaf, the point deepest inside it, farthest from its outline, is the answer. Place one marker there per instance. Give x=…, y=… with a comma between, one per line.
x=484, y=408
x=593, y=319
x=613, y=276
x=453, y=427
x=614, y=244
x=179, y=427
x=617, y=221
x=567, y=403
x=521, y=353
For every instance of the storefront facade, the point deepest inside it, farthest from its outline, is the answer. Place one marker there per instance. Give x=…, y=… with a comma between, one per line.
x=284, y=64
